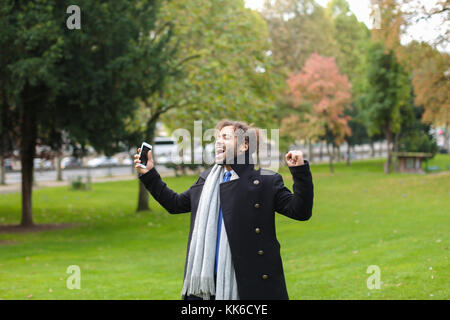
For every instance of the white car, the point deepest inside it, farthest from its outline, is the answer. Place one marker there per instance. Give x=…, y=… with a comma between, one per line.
x=102, y=162
x=127, y=161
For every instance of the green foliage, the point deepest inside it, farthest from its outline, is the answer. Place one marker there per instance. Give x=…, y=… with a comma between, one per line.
x=227, y=71
x=415, y=136
x=388, y=92
x=353, y=41
x=299, y=28
x=85, y=81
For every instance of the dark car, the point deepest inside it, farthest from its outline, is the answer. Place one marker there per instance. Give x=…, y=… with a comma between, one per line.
x=8, y=165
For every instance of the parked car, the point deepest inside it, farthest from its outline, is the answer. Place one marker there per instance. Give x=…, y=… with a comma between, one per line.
x=164, y=149
x=9, y=165
x=70, y=162
x=127, y=161
x=39, y=163
x=47, y=164
x=102, y=162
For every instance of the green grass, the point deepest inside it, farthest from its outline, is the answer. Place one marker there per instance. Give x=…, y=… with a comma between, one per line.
x=361, y=217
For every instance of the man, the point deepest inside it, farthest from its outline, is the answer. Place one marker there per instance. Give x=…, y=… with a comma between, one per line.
x=232, y=250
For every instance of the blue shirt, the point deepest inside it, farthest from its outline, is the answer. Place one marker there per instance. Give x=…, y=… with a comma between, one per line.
x=219, y=224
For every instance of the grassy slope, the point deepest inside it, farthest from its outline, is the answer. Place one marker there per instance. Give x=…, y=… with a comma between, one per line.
x=361, y=217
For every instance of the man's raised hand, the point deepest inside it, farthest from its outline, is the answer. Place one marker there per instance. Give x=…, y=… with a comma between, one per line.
x=294, y=158
x=137, y=162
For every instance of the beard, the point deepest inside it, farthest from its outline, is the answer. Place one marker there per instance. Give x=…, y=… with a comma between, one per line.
x=229, y=158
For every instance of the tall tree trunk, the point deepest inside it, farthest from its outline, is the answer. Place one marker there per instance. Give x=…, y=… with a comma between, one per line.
x=348, y=153
x=3, y=170
x=372, y=149
x=330, y=157
x=310, y=151
x=388, y=163
x=395, y=147
x=133, y=169
x=143, y=198
x=28, y=130
x=320, y=151
x=58, y=157
x=338, y=148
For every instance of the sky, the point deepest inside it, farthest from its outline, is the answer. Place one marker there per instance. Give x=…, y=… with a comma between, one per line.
x=422, y=31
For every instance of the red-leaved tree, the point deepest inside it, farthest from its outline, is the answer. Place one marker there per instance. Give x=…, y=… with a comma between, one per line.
x=319, y=95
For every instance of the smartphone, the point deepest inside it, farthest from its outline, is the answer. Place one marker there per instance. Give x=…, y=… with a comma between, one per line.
x=145, y=147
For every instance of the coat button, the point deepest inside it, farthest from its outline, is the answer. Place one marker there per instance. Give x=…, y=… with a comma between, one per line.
x=265, y=276
x=257, y=205
x=260, y=252
x=258, y=230
x=255, y=182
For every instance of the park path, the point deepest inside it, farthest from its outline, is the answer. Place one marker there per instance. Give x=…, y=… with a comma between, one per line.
x=16, y=187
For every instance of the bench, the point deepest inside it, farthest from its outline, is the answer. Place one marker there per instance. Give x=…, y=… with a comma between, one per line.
x=433, y=169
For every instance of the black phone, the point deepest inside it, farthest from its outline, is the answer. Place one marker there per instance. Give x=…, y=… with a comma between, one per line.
x=145, y=147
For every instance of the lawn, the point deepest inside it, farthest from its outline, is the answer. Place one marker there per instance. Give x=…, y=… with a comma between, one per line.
x=361, y=217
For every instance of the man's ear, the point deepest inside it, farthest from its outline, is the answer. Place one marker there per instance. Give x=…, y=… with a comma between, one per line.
x=244, y=147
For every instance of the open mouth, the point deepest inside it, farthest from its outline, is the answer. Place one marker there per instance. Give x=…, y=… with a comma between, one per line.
x=220, y=151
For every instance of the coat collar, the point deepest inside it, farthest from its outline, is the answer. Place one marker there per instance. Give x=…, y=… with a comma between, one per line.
x=243, y=169
x=242, y=165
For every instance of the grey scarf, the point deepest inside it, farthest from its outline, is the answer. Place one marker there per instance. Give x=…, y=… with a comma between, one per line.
x=199, y=280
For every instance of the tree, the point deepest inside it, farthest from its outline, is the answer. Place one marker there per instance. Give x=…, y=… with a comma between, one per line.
x=430, y=79
x=353, y=39
x=387, y=95
x=297, y=29
x=320, y=88
x=427, y=65
x=227, y=70
x=84, y=82
x=415, y=135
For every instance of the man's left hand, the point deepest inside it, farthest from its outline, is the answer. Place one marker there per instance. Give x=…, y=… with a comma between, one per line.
x=294, y=158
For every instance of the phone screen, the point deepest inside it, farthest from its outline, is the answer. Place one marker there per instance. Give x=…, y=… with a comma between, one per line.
x=143, y=156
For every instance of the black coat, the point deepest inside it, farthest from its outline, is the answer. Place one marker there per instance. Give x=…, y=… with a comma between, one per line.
x=248, y=207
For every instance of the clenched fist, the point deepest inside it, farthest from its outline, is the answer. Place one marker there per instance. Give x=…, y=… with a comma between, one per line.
x=294, y=158
x=150, y=163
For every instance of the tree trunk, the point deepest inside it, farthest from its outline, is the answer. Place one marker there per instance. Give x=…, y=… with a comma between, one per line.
x=330, y=157
x=58, y=166
x=372, y=149
x=310, y=151
x=143, y=198
x=133, y=169
x=395, y=147
x=388, y=163
x=320, y=151
x=3, y=170
x=348, y=153
x=28, y=130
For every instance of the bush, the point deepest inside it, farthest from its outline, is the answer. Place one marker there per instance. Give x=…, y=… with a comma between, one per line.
x=78, y=184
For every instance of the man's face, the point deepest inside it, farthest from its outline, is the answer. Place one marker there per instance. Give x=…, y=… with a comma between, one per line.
x=226, y=144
